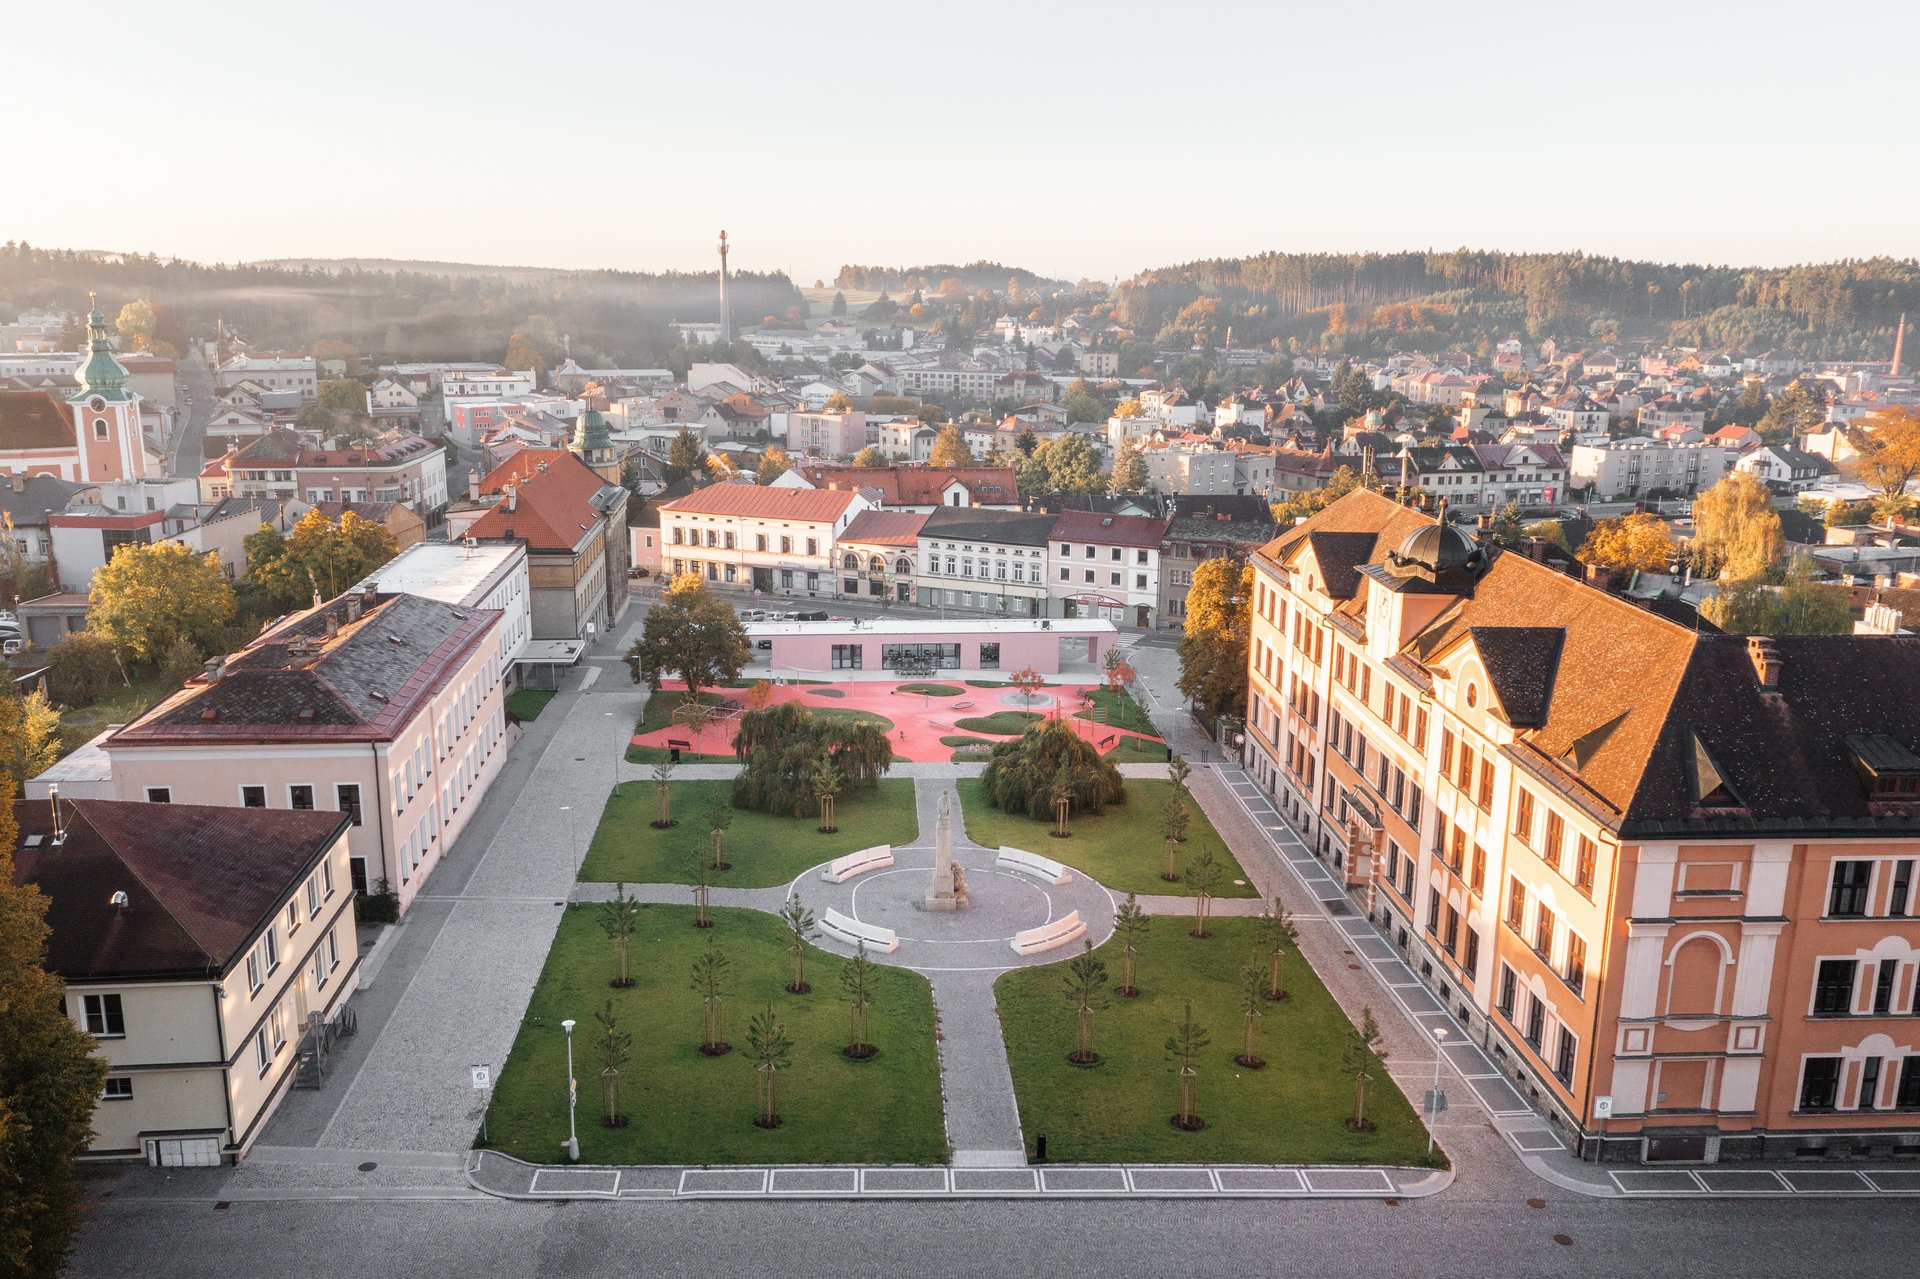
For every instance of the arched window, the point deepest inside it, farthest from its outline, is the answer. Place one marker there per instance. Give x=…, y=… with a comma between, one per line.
x=850, y=561
x=878, y=564
x=903, y=566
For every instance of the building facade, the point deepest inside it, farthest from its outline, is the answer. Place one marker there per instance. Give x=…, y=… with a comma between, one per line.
x=1105, y=566
x=990, y=560
x=771, y=539
x=1635, y=467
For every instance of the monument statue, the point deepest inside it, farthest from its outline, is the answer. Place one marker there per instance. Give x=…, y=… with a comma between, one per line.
x=949, y=890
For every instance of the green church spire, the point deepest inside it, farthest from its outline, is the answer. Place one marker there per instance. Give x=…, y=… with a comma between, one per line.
x=101, y=375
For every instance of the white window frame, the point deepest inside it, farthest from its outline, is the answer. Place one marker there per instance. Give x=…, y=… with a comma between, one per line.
x=244, y=787
x=313, y=795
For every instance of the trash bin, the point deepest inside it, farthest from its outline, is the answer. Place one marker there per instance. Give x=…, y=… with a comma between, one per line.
x=1040, y=1148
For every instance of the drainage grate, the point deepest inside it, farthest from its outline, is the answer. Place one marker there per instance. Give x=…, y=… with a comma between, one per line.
x=368, y=1167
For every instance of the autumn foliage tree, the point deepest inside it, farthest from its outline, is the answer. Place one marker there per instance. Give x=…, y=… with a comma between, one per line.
x=691, y=633
x=1736, y=531
x=950, y=448
x=150, y=596
x=1889, y=443
x=1219, y=626
x=1637, y=542
x=320, y=555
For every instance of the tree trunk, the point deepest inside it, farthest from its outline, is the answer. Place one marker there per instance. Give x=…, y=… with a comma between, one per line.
x=1359, y=1101
x=1186, y=1095
x=1170, y=872
x=623, y=961
x=1273, y=976
x=719, y=859
x=1126, y=969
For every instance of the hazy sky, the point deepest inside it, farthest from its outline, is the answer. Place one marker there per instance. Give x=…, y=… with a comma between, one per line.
x=1074, y=139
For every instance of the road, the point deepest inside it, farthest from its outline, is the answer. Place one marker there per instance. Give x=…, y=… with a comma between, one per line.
x=196, y=380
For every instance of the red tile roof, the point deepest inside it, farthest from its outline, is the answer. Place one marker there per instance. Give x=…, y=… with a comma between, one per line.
x=34, y=420
x=1109, y=530
x=553, y=505
x=921, y=485
x=885, y=528
x=772, y=502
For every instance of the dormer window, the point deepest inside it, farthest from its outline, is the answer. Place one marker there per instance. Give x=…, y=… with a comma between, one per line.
x=1890, y=770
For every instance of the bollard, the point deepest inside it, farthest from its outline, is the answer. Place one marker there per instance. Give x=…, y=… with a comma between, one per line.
x=1040, y=1148
x=673, y=754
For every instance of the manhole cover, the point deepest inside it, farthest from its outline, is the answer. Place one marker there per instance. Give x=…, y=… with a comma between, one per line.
x=1565, y=1241
x=368, y=1167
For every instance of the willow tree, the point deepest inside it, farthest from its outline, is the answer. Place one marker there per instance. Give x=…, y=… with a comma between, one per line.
x=1188, y=1040
x=784, y=747
x=1130, y=925
x=1362, y=1060
x=1026, y=774
x=614, y=1047
x=857, y=979
x=799, y=924
x=1084, y=987
x=771, y=1048
x=620, y=919
x=713, y=982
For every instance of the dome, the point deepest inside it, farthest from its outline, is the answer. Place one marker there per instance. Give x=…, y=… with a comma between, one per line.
x=1441, y=553
x=590, y=432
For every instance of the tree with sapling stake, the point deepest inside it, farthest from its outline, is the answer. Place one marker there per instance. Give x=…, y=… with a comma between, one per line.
x=857, y=980
x=826, y=781
x=713, y=982
x=620, y=919
x=1084, y=987
x=1130, y=925
x=719, y=818
x=1362, y=1060
x=663, y=778
x=615, y=1049
x=771, y=1049
x=1274, y=931
x=1175, y=816
x=799, y=922
x=1204, y=874
x=700, y=866
x=1253, y=993
x=1188, y=1040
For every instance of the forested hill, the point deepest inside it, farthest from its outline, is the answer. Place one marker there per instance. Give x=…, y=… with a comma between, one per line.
x=972, y=277
x=1386, y=301
x=612, y=317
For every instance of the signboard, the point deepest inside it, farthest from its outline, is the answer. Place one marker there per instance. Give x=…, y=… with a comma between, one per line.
x=1603, y=1107
x=482, y=1076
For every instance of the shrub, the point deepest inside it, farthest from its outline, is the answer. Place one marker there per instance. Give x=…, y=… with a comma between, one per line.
x=382, y=906
x=784, y=747
x=80, y=668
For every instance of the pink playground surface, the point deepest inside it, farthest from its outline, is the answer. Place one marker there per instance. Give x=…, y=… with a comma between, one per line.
x=919, y=721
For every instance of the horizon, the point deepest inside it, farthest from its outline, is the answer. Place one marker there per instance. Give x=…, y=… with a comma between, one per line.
x=830, y=146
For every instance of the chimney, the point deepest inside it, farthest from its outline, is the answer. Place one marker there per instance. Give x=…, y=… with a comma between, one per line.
x=333, y=625
x=19, y=481
x=369, y=595
x=216, y=667
x=120, y=902
x=512, y=491
x=473, y=485
x=59, y=826
x=1537, y=549
x=353, y=608
x=1766, y=663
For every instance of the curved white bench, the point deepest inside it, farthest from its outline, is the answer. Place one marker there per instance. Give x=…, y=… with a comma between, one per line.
x=841, y=869
x=966, y=704
x=853, y=932
x=1044, y=869
x=1054, y=933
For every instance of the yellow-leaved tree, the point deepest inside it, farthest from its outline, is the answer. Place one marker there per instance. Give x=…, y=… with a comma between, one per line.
x=950, y=448
x=148, y=597
x=1628, y=542
x=1736, y=531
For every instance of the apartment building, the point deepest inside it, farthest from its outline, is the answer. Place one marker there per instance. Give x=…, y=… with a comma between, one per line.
x=772, y=539
x=1106, y=566
x=877, y=552
x=1205, y=528
x=410, y=470
x=387, y=708
x=274, y=373
x=989, y=560
x=1635, y=467
x=492, y=576
x=1668, y=878
x=827, y=434
x=207, y=951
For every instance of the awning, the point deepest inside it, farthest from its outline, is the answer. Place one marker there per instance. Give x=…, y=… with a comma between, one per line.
x=552, y=653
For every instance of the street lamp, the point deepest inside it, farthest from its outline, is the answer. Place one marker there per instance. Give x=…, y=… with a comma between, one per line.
x=573, y=1095
x=1433, y=1097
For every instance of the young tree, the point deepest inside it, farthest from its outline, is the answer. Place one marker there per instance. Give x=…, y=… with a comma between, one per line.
x=1204, y=874
x=799, y=922
x=857, y=980
x=1130, y=925
x=1628, y=542
x=1736, y=531
x=1188, y=1040
x=1808, y=607
x=684, y=457
x=700, y=867
x=1174, y=815
x=1275, y=932
x=771, y=1049
x=1120, y=675
x=1129, y=470
x=774, y=463
x=182, y=663
x=713, y=983
x=620, y=919
x=150, y=595
x=29, y=739
x=1363, y=1060
x=50, y=1078
x=950, y=448
x=663, y=781
x=614, y=1047
x=691, y=633
x=1029, y=682
x=1084, y=986
x=1253, y=993
x=1213, y=646
x=719, y=818
x=760, y=695
x=826, y=783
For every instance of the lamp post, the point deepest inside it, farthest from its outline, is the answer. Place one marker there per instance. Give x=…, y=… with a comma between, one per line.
x=616, y=762
x=573, y=1094
x=1433, y=1097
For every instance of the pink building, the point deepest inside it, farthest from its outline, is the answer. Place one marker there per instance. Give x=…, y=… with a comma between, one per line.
x=851, y=649
x=385, y=707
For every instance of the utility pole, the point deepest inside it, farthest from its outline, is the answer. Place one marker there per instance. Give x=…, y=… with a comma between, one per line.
x=726, y=319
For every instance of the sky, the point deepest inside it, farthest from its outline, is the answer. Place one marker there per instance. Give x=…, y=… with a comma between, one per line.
x=1074, y=139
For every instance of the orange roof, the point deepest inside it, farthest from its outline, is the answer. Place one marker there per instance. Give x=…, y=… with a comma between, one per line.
x=817, y=506
x=922, y=485
x=553, y=503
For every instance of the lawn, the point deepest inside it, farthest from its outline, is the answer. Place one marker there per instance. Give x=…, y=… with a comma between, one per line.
x=659, y=714
x=968, y=743
x=686, y=1108
x=1123, y=847
x=1137, y=750
x=1289, y=1112
x=765, y=850
x=526, y=704
x=1012, y=723
x=118, y=704
x=931, y=690
x=1118, y=709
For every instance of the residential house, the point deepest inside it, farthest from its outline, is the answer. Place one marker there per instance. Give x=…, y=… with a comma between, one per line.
x=265, y=466
x=827, y=434
x=877, y=552
x=984, y=559
x=1207, y=528
x=922, y=488
x=1638, y=466
x=1529, y=474
x=410, y=469
x=296, y=373
x=1106, y=566
x=1784, y=469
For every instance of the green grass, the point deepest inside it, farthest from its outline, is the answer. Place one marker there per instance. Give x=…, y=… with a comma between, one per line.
x=931, y=690
x=965, y=743
x=1290, y=1112
x=118, y=704
x=847, y=713
x=1137, y=750
x=765, y=850
x=1118, y=709
x=1010, y=722
x=1123, y=847
x=526, y=704
x=660, y=754
x=687, y=1108
x=969, y=757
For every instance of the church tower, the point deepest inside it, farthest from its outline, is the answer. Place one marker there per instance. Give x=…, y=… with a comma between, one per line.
x=106, y=415
x=592, y=445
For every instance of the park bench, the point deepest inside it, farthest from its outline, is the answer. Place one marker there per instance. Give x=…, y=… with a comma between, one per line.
x=841, y=869
x=853, y=932
x=1044, y=869
x=1057, y=932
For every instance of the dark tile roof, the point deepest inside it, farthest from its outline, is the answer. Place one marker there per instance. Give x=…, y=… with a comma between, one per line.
x=1109, y=530
x=1017, y=528
x=1521, y=662
x=200, y=881
x=38, y=494
x=1223, y=508
x=1340, y=556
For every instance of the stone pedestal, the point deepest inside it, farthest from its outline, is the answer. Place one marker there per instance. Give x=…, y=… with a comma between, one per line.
x=949, y=888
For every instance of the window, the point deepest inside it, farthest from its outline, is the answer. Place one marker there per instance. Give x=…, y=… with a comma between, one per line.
x=1446, y=752
x=1556, y=836
x=1583, y=864
x=989, y=657
x=848, y=657
x=1508, y=981
x=1433, y=912
x=300, y=797
x=1523, y=815
x=1907, y=1095
x=1870, y=1082
x=1543, y=924
x=333, y=953
x=262, y=1055
x=326, y=878
x=159, y=794
x=313, y=896
x=1470, y=962
x=1819, y=1083
x=319, y=968
x=1451, y=937
x=293, y=918
x=1536, y=1021
x=346, y=797
x=253, y=971
x=1883, y=987
x=1902, y=889
x=120, y=1089
x=1833, y=988
x=253, y=797
x=99, y=428
x=103, y=1016
x=1516, y=903
x=1849, y=893
x=1479, y=881
x=1563, y=1053
x=1576, y=969
x=270, y=948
